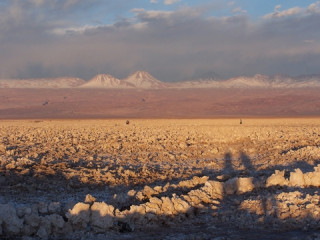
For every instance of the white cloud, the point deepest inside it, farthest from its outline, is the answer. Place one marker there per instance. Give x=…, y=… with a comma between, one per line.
x=73, y=30
x=314, y=7
x=238, y=10
x=230, y=4
x=277, y=8
x=284, y=13
x=169, y=2
x=171, y=16
x=170, y=44
x=153, y=1
x=151, y=14
x=311, y=9
x=70, y=3
x=37, y=2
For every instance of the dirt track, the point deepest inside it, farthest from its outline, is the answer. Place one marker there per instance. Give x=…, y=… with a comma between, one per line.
x=160, y=179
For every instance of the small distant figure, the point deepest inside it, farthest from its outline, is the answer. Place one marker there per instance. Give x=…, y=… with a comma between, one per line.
x=127, y=122
x=240, y=121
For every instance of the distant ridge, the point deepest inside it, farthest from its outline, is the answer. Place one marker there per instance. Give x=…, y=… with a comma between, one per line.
x=144, y=80
x=63, y=82
x=257, y=81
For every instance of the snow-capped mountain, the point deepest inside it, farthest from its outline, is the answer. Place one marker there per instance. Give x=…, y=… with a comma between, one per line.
x=257, y=81
x=201, y=83
x=142, y=79
x=63, y=82
x=105, y=81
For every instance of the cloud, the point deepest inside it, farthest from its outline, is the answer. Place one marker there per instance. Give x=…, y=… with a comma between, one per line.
x=37, y=2
x=284, y=13
x=153, y=1
x=153, y=16
x=239, y=10
x=314, y=7
x=295, y=11
x=277, y=7
x=169, y=2
x=178, y=44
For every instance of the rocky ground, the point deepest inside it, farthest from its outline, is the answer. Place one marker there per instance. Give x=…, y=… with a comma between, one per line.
x=160, y=179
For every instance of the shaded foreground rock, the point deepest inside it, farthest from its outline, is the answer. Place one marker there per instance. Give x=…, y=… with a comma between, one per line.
x=44, y=219
x=296, y=179
x=102, y=216
x=10, y=224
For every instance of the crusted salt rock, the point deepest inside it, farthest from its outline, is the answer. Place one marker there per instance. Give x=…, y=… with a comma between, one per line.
x=89, y=199
x=2, y=148
x=317, y=168
x=102, y=216
x=198, y=196
x=11, y=166
x=32, y=220
x=146, y=193
x=9, y=220
x=231, y=186
x=136, y=215
x=193, y=182
x=138, y=209
x=244, y=185
x=22, y=211
x=167, y=206
x=42, y=233
x=121, y=198
x=43, y=207
x=79, y=215
x=45, y=228
x=132, y=193
x=214, y=189
x=312, y=179
x=158, y=189
x=277, y=179
x=54, y=207
x=154, y=205
x=180, y=205
x=56, y=221
x=297, y=178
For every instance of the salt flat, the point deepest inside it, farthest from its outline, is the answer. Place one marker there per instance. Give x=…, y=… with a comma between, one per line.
x=163, y=179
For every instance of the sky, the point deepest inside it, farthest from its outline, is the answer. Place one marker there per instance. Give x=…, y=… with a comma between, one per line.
x=174, y=40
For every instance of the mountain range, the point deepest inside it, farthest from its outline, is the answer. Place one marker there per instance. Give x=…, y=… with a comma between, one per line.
x=64, y=82
x=144, y=80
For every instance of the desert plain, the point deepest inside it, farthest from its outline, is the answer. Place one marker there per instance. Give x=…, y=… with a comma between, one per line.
x=160, y=178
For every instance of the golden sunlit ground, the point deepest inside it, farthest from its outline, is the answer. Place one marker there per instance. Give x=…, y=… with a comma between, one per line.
x=160, y=179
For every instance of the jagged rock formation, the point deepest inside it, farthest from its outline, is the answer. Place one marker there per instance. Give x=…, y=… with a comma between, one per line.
x=172, y=208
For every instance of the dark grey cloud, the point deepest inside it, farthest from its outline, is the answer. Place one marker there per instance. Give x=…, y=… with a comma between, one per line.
x=46, y=39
